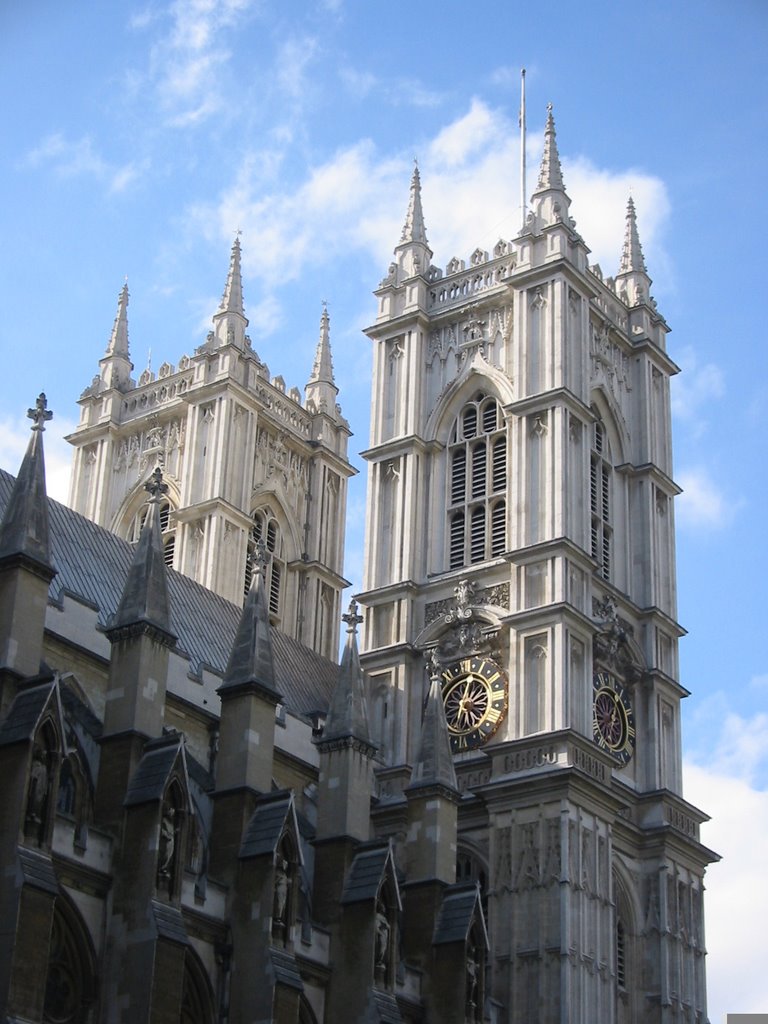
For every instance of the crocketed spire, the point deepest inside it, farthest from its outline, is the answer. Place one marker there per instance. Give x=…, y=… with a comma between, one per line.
x=145, y=594
x=24, y=528
x=550, y=172
x=322, y=369
x=632, y=259
x=116, y=365
x=413, y=229
x=230, y=320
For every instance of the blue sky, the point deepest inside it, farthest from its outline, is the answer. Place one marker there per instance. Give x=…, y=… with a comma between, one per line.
x=139, y=136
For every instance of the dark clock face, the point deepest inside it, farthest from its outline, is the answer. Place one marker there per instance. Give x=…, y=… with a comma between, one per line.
x=475, y=699
x=613, y=722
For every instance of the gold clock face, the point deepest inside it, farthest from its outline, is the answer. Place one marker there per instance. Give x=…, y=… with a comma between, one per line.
x=613, y=722
x=475, y=699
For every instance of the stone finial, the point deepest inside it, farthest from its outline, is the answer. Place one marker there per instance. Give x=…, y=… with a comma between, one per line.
x=632, y=259
x=155, y=486
x=351, y=618
x=41, y=413
x=232, y=299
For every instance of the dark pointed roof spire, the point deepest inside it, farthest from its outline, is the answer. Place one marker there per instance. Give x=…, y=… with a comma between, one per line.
x=348, y=713
x=145, y=594
x=434, y=764
x=24, y=528
x=632, y=260
x=250, y=660
x=414, y=229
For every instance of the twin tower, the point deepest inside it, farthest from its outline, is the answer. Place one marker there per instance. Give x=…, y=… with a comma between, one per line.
x=480, y=815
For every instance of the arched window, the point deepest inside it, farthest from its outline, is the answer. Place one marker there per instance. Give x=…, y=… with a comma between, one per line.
x=477, y=483
x=265, y=526
x=600, y=501
x=70, y=986
x=167, y=528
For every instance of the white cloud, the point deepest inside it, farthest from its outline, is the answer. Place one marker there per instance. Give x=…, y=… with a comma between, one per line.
x=703, y=505
x=78, y=158
x=695, y=389
x=14, y=438
x=736, y=904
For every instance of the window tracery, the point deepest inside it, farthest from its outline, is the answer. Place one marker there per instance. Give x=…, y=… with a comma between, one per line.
x=167, y=528
x=477, y=481
x=266, y=527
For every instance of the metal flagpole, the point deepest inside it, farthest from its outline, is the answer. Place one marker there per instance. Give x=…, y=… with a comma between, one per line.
x=523, y=187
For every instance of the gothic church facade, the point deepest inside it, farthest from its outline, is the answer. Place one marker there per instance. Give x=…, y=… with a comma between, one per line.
x=479, y=817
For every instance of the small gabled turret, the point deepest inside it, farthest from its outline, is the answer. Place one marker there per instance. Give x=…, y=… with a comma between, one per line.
x=321, y=391
x=632, y=281
x=116, y=366
x=413, y=253
x=26, y=568
x=550, y=201
x=229, y=321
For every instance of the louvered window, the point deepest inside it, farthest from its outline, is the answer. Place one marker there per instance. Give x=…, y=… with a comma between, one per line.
x=477, y=460
x=265, y=526
x=600, y=501
x=167, y=528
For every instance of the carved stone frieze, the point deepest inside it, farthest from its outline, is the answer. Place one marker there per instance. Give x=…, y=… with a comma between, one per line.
x=610, y=365
x=497, y=596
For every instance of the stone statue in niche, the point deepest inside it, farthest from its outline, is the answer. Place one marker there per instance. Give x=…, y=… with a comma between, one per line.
x=473, y=974
x=382, y=936
x=282, y=884
x=38, y=787
x=167, y=843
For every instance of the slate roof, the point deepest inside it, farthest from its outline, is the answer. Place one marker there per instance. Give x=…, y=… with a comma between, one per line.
x=92, y=565
x=37, y=870
x=367, y=871
x=457, y=912
x=24, y=715
x=169, y=922
x=152, y=772
x=266, y=825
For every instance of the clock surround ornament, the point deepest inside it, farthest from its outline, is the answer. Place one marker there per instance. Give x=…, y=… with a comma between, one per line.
x=613, y=720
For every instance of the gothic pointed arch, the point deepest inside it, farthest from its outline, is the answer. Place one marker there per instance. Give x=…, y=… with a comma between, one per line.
x=71, y=980
x=608, y=492
x=279, y=531
x=626, y=916
x=197, y=1000
x=132, y=514
x=477, y=376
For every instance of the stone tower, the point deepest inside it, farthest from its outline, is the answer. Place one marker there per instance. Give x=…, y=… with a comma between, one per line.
x=243, y=460
x=520, y=534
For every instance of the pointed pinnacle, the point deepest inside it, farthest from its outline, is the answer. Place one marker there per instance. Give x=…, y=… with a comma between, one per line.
x=232, y=299
x=348, y=713
x=550, y=172
x=118, y=340
x=24, y=526
x=632, y=260
x=322, y=369
x=413, y=229
x=434, y=764
x=250, y=660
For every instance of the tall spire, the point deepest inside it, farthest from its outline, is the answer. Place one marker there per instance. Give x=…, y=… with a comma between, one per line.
x=230, y=320
x=550, y=172
x=24, y=528
x=116, y=365
x=320, y=390
x=413, y=253
x=434, y=764
x=145, y=594
x=632, y=281
x=551, y=201
x=632, y=259
x=413, y=229
x=348, y=713
x=250, y=661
